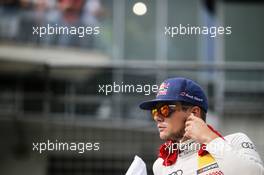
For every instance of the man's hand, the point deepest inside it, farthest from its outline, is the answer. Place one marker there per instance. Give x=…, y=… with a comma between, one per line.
x=197, y=129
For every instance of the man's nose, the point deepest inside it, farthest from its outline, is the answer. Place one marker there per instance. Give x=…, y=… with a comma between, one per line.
x=158, y=118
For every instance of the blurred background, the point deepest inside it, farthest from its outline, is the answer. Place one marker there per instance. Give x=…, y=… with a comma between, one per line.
x=49, y=85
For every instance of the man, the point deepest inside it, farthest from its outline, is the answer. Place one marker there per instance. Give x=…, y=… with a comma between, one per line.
x=192, y=146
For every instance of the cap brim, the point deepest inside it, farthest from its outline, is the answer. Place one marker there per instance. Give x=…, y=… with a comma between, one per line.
x=148, y=105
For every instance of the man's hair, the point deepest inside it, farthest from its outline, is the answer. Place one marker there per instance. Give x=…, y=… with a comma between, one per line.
x=186, y=105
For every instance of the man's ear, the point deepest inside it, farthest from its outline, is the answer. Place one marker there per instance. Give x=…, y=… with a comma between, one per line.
x=196, y=111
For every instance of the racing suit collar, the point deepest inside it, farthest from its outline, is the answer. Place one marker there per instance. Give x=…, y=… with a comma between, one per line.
x=169, y=152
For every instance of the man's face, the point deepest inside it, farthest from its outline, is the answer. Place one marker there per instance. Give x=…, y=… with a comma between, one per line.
x=173, y=126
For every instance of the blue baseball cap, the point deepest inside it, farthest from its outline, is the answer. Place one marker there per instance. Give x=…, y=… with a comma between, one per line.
x=178, y=90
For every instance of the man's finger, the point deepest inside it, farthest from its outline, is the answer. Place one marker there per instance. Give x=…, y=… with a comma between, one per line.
x=187, y=128
x=190, y=117
x=188, y=123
